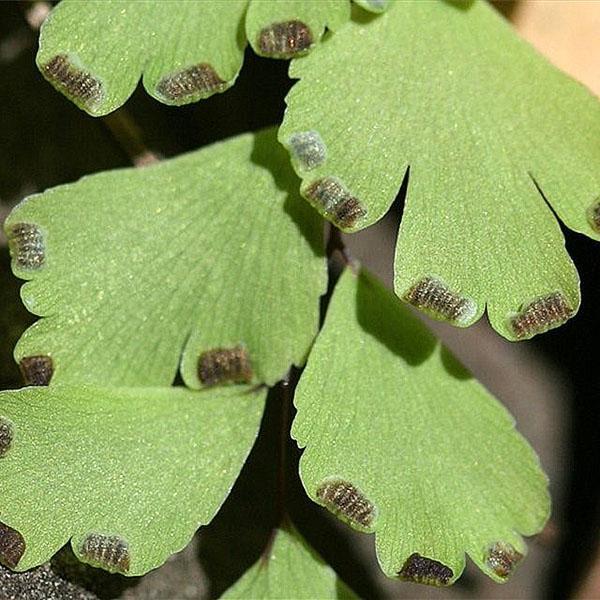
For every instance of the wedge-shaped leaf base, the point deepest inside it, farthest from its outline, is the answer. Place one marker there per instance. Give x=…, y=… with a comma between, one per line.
x=400, y=441
x=127, y=474
x=290, y=570
x=478, y=133
x=207, y=260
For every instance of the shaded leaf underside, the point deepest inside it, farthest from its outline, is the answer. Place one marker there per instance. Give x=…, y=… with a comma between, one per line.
x=128, y=474
x=476, y=132
x=400, y=441
x=291, y=569
x=138, y=270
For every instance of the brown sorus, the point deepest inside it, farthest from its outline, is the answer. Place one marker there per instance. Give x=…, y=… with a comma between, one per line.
x=12, y=546
x=78, y=84
x=420, y=569
x=225, y=365
x=200, y=79
x=342, y=497
x=285, y=39
x=593, y=215
x=26, y=243
x=502, y=558
x=108, y=551
x=6, y=436
x=36, y=370
x=432, y=295
x=336, y=202
x=540, y=315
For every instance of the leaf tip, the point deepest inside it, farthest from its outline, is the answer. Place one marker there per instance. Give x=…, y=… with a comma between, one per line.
x=110, y=552
x=420, y=569
x=12, y=546
x=37, y=370
x=78, y=84
x=432, y=296
x=332, y=198
x=346, y=500
x=225, y=365
x=540, y=315
x=502, y=558
x=285, y=40
x=27, y=246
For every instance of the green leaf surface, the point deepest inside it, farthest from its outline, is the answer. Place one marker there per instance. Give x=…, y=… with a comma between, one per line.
x=291, y=570
x=143, y=468
x=138, y=270
x=476, y=133
x=96, y=51
x=287, y=28
x=400, y=441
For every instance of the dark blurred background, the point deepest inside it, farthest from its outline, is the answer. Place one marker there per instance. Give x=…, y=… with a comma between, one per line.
x=550, y=384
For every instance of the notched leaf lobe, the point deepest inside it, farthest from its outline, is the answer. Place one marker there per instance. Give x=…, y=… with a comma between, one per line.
x=225, y=365
x=200, y=80
x=434, y=297
x=345, y=499
x=74, y=82
x=108, y=551
x=36, y=370
x=337, y=203
x=502, y=558
x=27, y=247
x=284, y=40
x=12, y=546
x=541, y=315
x=420, y=569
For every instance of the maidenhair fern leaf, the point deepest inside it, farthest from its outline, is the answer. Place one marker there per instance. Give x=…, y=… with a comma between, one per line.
x=478, y=134
x=208, y=255
x=95, y=51
x=400, y=441
x=290, y=570
x=287, y=28
x=127, y=474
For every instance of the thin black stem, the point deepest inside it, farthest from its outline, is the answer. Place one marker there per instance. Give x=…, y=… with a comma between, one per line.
x=286, y=394
x=129, y=137
x=338, y=258
x=286, y=399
